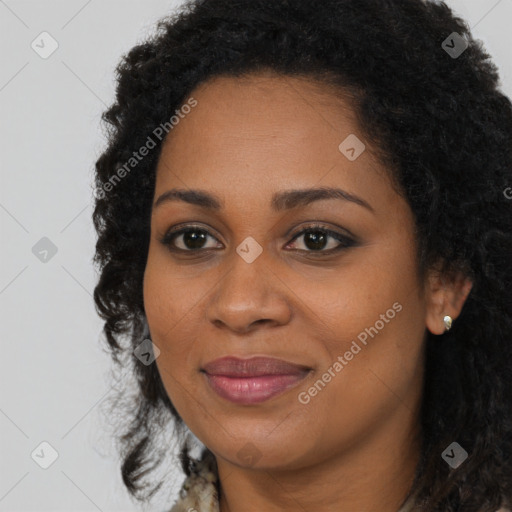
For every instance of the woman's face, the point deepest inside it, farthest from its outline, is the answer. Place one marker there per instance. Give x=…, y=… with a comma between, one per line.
x=241, y=283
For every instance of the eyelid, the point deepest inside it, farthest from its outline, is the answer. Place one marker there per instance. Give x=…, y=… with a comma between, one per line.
x=290, y=233
x=342, y=233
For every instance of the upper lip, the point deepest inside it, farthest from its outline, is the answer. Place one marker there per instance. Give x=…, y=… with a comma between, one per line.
x=253, y=367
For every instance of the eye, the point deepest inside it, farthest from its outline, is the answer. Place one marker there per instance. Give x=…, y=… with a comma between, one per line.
x=316, y=239
x=192, y=239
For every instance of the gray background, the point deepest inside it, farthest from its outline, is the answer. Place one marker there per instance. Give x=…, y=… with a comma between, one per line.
x=54, y=373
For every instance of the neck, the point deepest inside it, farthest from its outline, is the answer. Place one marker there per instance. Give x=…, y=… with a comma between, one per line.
x=376, y=475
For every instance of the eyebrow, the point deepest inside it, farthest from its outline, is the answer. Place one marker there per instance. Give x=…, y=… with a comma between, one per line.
x=285, y=200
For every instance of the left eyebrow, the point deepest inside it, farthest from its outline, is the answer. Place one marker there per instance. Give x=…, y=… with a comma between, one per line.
x=292, y=198
x=285, y=200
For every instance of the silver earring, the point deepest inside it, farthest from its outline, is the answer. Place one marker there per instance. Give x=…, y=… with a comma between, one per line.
x=447, y=322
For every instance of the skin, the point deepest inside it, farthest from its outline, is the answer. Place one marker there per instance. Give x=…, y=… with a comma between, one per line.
x=356, y=443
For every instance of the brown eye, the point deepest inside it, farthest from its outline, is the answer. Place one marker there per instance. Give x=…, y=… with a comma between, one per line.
x=190, y=239
x=323, y=240
x=317, y=239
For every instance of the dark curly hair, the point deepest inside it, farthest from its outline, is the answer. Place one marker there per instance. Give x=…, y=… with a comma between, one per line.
x=443, y=129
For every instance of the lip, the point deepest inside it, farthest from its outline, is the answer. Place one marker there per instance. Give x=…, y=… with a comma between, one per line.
x=254, y=380
x=257, y=366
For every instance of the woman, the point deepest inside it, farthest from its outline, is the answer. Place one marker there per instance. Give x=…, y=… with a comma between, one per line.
x=304, y=236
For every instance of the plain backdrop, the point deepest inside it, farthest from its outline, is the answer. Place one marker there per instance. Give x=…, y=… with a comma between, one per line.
x=53, y=370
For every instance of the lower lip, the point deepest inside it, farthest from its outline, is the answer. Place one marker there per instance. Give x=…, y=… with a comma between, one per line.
x=252, y=390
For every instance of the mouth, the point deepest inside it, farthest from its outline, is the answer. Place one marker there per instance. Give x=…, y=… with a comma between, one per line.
x=254, y=380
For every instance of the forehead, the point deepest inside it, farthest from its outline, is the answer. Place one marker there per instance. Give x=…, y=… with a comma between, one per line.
x=255, y=134
x=266, y=105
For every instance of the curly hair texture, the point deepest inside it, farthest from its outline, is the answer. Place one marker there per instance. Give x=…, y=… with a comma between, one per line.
x=443, y=129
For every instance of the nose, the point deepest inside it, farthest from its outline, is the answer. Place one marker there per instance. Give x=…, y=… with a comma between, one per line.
x=248, y=295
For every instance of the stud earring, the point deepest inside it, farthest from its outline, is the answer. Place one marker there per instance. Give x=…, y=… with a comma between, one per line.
x=447, y=322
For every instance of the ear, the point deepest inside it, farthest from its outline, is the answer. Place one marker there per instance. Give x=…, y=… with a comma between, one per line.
x=445, y=295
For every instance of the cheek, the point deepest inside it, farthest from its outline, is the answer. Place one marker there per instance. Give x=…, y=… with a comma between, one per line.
x=364, y=382
x=371, y=315
x=170, y=302
x=369, y=287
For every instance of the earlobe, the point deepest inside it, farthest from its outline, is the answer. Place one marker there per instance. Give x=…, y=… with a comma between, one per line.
x=445, y=298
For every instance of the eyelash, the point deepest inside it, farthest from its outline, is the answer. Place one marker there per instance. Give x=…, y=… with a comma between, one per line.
x=345, y=241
